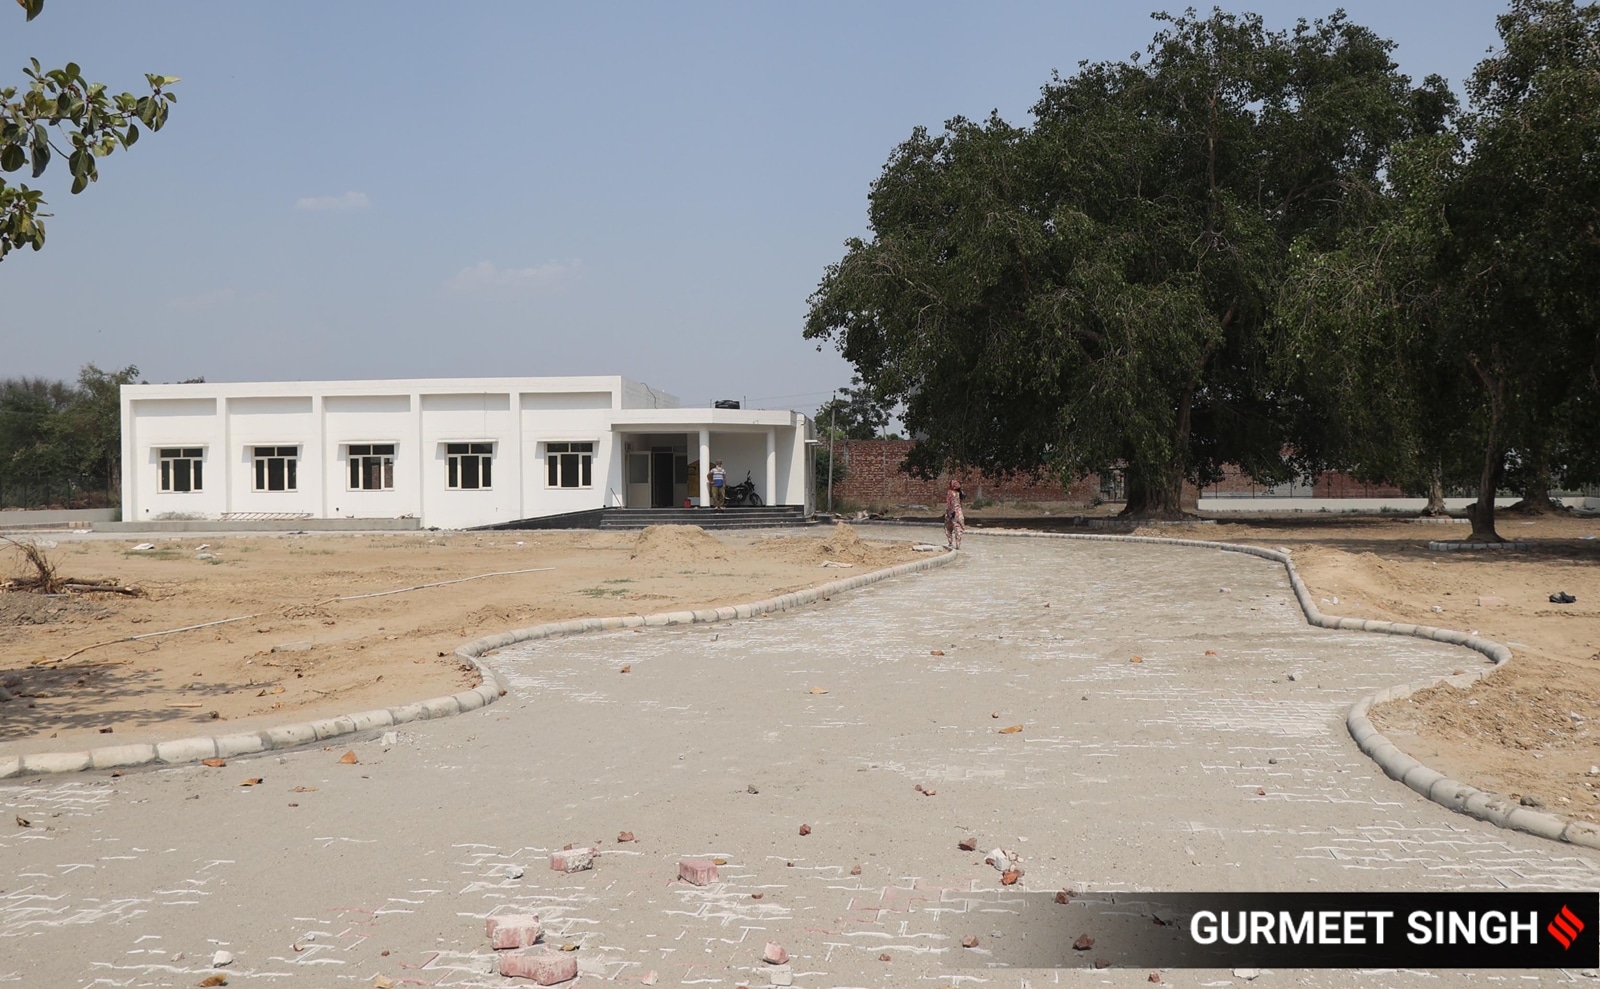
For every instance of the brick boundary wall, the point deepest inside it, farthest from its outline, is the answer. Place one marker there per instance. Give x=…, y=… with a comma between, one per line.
x=873, y=478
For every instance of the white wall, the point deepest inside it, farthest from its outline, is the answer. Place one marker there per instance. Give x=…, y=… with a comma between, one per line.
x=741, y=452
x=518, y=416
x=542, y=425
x=273, y=421
x=363, y=419
x=180, y=422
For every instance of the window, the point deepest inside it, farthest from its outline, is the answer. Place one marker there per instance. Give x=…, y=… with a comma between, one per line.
x=469, y=464
x=371, y=466
x=180, y=468
x=276, y=467
x=569, y=465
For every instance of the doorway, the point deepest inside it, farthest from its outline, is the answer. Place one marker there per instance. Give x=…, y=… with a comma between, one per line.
x=661, y=477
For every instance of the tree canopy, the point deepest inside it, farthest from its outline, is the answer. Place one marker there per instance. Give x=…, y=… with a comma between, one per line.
x=1094, y=291
x=1242, y=246
x=59, y=113
x=1456, y=334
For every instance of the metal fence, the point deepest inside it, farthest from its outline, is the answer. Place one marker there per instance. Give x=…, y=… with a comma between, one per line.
x=57, y=491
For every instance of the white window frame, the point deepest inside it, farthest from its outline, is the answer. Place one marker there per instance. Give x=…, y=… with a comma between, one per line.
x=261, y=457
x=475, y=457
x=562, y=455
x=167, y=460
x=357, y=456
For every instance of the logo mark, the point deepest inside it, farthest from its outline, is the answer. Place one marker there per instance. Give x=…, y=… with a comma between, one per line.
x=1565, y=927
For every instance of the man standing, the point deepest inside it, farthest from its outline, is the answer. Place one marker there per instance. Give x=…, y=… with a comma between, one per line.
x=718, y=479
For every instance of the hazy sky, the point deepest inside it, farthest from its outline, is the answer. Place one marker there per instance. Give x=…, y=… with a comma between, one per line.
x=395, y=189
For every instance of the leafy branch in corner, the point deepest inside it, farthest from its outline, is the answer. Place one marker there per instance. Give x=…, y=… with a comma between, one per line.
x=59, y=113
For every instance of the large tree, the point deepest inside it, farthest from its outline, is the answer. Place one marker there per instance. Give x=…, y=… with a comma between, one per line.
x=1525, y=243
x=1457, y=332
x=59, y=113
x=1093, y=292
x=1363, y=354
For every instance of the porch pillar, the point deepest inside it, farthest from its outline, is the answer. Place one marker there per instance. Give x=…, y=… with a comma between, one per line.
x=772, y=466
x=705, y=465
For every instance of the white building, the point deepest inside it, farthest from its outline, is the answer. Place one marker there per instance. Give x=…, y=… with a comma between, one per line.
x=451, y=452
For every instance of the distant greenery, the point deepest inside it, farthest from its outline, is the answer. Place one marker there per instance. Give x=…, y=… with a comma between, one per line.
x=61, y=443
x=852, y=414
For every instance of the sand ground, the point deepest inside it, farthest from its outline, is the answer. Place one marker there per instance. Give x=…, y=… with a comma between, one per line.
x=293, y=650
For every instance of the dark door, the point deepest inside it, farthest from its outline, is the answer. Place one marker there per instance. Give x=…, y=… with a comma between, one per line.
x=661, y=478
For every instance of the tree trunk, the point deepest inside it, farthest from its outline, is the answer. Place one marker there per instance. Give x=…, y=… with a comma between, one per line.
x=1435, y=508
x=1536, y=490
x=1154, y=494
x=1482, y=513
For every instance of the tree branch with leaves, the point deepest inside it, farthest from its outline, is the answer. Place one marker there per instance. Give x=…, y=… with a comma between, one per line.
x=59, y=113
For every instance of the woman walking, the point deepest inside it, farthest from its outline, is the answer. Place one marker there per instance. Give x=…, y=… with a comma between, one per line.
x=955, y=521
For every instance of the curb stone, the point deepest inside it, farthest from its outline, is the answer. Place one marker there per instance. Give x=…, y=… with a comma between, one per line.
x=1495, y=808
x=187, y=750
x=1444, y=546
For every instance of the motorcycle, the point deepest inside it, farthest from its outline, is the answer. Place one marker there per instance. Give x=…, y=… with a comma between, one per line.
x=743, y=494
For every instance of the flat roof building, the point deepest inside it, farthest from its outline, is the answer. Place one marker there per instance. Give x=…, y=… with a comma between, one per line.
x=450, y=452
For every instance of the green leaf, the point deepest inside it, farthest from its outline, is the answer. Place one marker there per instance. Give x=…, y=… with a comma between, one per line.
x=131, y=136
x=39, y=149
x=33, y=7
x=13, y=157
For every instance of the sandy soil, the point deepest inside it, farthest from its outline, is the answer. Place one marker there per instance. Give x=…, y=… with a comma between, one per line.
x=297, y=651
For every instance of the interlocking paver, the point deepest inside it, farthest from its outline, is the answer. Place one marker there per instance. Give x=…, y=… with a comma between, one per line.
x=1126, y=776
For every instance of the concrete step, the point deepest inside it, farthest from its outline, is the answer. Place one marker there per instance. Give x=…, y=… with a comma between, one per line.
x=638, y=518
x=705, y=518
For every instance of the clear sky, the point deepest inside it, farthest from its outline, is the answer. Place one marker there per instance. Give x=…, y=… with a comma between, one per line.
x=398, y=189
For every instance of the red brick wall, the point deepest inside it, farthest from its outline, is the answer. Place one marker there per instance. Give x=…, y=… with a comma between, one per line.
x=873, y=477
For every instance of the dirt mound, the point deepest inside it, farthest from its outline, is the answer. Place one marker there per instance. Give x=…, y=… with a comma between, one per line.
x=677, y=544
x=842, y=545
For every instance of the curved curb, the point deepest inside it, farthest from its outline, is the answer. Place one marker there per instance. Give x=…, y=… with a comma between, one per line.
x=186, y=750
x=1454, y=546
x=1495, y=808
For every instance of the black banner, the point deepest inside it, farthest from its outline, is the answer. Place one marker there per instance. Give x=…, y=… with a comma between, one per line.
x=1278, y=930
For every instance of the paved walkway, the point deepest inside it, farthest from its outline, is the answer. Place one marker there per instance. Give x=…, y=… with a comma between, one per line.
x=1185, y=771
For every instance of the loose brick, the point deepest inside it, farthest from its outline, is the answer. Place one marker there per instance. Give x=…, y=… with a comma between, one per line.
x=543, y=966
x=572, y=859
x=700, y=872
x=774, y=954
x=518, y=930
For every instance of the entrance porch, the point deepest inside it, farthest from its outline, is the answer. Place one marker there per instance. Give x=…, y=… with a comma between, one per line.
x=668, y=469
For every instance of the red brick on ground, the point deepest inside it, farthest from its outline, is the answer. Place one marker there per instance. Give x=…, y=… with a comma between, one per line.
x=572, y=859
x=543, y=966
x=700, y=872
x=519, y=930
